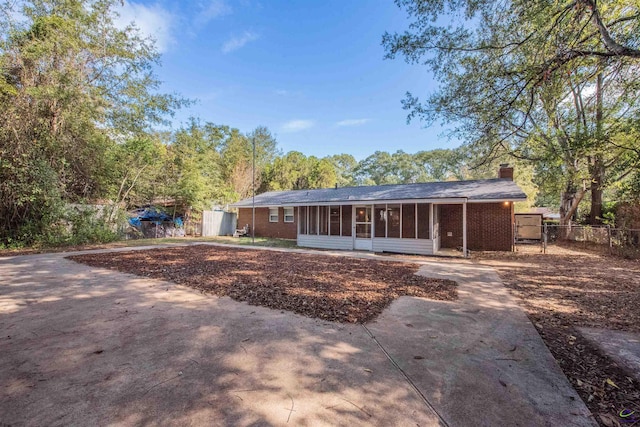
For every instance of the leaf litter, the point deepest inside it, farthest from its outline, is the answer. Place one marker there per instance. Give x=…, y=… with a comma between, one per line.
x=571, y=287
x=341, y=289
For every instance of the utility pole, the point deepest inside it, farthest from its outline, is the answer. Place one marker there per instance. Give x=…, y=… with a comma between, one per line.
x=253, y=192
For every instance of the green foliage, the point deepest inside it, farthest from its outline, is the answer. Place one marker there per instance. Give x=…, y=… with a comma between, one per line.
x=609, y=214
x=196, y=163
x=86, y=225
x=551, y=83
x=295, y=171
x=72, y=87
x=240, y=171
x=344, y=165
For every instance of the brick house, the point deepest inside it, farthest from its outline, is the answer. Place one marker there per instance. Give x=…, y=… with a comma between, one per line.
x=419, y=218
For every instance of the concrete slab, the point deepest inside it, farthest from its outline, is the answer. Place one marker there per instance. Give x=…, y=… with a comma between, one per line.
x=86, y=346
x=623, y=347
x=479, y=361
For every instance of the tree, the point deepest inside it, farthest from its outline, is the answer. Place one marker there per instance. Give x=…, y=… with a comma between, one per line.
x=441, y=164
x=530, y=78
x=384, y=168
x=344, y=165
x=136, y=168
x=197, y=171
x=323, y=173
x=71, y=85
x=238, y=167
x=295, y=171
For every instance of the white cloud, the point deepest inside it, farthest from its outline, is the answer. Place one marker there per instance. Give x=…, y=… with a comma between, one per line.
x=352, y=122
x=235, y=43
x=297, y=125
x=152, y=21
x=212, y=10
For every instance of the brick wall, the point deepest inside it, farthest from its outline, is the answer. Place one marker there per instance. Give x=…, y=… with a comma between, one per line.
x=489, y=226
x=264, y=228
x=450, y=222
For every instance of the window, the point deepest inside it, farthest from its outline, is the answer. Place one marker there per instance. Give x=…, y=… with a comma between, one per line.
x=273, y=214
x=288, y=214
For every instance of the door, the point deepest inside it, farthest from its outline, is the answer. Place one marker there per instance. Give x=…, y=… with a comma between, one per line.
x=362, y=228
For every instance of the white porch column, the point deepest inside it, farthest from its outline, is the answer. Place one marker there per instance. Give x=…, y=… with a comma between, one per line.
x=431, y=221
x=464, y=228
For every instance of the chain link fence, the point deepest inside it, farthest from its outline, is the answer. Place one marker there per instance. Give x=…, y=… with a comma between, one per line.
x=620, y=241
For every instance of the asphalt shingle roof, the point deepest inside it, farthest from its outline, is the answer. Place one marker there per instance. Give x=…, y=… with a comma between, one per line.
x=476, y=190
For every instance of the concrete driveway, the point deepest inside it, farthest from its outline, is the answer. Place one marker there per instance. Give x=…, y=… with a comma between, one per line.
x=86, y=346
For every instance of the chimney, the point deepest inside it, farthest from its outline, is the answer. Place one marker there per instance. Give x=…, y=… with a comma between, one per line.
x=505, y=171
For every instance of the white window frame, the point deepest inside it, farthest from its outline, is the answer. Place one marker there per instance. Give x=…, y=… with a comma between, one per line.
x=289, y=217
x=271, y=215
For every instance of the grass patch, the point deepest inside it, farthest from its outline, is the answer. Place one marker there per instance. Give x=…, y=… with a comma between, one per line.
x=245, y=241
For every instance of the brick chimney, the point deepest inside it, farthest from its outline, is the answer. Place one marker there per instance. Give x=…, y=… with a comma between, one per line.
x=505, y=171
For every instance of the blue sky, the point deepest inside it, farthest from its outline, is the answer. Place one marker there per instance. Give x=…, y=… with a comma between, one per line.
x=311, y=71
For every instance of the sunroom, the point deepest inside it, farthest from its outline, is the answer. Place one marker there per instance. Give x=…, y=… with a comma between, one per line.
x=379, y=227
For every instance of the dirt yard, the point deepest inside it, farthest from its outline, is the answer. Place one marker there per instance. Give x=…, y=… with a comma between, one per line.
x=569, y=288
x=331, y=288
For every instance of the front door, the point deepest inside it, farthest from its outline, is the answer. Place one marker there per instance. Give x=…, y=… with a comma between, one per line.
x=362, y=228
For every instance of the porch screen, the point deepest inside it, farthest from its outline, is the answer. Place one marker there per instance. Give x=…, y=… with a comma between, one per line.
x=409, y=221
x=324, y=220
x=334, y=221
x=380, y=220
x=423, y=220
x=393, y=220
x=302, y=211
x=313, y=220
x=346, y=220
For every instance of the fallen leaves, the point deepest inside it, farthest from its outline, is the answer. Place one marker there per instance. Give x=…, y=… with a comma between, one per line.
x=332, y=288
x=608, y=420
x=611, y=383
x=566, y=289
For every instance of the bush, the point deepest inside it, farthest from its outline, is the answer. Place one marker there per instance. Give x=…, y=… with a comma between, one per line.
x=87, y=224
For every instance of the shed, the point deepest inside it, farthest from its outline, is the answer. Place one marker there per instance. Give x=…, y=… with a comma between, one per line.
x=528, y=226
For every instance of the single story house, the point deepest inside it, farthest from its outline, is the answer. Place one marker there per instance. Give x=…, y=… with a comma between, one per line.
x=404, y=218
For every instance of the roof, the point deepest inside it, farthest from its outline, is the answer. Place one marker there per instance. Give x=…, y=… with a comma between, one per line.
x=476, y=190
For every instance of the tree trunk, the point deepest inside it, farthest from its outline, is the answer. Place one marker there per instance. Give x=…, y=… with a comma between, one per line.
x=597, y=176
x=597, y=164
x=566, y=201
x=570, y=200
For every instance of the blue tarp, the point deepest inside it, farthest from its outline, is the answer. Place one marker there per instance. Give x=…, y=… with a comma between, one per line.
x=153, y=214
